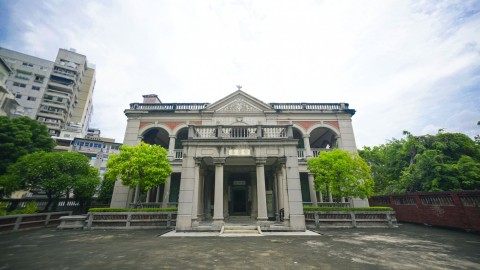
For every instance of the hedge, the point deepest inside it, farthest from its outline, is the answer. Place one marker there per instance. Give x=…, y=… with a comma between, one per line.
x=132, y=209
x=347, y=209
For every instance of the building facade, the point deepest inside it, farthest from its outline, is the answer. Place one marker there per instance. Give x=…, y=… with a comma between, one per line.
x=9, y=106
x=56, y=93
x=237, y=157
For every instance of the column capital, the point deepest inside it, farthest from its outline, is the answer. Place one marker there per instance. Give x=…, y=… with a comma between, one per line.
x=260, y=161
x=198, y=160
x=305, y=136
x=219, y=161
x=172, y=136
x=282, y=160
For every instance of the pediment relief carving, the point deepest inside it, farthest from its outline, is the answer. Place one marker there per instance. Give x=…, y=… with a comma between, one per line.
x=239, y=105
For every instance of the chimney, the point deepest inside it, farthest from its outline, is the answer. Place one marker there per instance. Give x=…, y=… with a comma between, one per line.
x=152, y=98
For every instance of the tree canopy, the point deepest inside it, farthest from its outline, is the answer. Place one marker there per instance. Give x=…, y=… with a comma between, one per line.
x=344, y=173
x=55, y=173
x=441, y=162
x=20, y=136
x=143, y=165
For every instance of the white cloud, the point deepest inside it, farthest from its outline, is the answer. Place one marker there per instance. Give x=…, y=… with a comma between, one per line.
x=399, y=63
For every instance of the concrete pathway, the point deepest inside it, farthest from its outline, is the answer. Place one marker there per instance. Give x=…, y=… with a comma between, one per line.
x=407, y=247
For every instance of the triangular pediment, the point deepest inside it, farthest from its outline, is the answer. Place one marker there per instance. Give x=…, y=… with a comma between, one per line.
x=239, y=102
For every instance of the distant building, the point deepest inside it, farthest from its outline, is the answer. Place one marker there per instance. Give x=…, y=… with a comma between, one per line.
x=57, y=94
x=9, y=106
x=237, y=158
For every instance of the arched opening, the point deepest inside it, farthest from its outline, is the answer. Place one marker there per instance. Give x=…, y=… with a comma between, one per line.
x=297, y=135
x=322, y=139
x=156, y=136
x=182, y=135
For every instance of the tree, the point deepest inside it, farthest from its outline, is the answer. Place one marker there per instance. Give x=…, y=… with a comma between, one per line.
x=441, y=162
x=142, y=166
x=20, y=136
x=55, y=173
x=344, y=173
x=85, y=187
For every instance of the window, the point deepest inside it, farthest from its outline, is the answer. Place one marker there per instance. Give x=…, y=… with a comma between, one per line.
x=39, y=78
x=19, y=84
x=32, y=98
x=36, y=88
x=18, y=96
x=27, y=64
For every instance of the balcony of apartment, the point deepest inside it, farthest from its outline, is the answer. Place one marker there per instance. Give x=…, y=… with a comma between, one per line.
x=65, y=73
x=52, y=112
x=61, y=84
x=53, y=103
x=53, y=124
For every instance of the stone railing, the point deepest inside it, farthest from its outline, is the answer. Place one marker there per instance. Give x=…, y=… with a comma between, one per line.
x=321, y=107
x=168, y=106
x=131, y=220
x=240, y=132
x=350, y=219
x=28, y=221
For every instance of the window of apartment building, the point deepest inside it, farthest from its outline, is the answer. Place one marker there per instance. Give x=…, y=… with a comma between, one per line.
x=39, y=78
x=27, y=64
x=31, y=98
x=18, y=96
x=36, y=88
x=19, y=84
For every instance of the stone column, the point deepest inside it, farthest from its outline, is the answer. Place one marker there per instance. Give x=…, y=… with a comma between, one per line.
x=166, y=192
x=171, y=147
x=196, y=191
x=218, y=203
x=201, y=196
x=261, y=193
x=157, y=195
x=147, y=200
x=313, y=194
x=279, y=190
x=286, y=204
x=306, y=144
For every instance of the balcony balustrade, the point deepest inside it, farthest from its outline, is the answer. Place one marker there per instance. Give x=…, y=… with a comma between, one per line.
x=240, y=132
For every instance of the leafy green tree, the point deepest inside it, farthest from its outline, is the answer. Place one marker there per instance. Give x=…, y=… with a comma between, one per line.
x=441, y=162
x=85, y=187
x=344, y=173
x=55, y=173
x=142, y=166
x=106, y=190
x=20, y=136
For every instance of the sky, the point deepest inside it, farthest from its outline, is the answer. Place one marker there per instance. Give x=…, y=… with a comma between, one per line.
x=402, y=65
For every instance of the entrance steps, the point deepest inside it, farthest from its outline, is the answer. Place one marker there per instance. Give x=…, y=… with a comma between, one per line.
x=240, y=230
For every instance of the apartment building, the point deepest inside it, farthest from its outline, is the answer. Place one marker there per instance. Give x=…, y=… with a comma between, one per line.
x=56, y=93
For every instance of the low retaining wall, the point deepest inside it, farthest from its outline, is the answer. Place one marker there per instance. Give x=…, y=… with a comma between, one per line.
x=351, y=219
x=449, y=209
x=131, y=220
x=29, y=221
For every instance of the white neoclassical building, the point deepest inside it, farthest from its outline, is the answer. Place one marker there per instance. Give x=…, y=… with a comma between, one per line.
x=237, y=158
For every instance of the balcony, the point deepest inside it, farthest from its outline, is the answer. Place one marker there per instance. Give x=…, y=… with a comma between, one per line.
x=302, y=153
x=240, y=132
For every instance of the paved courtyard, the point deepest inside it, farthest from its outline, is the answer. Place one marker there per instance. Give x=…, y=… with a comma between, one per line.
x=407, y=247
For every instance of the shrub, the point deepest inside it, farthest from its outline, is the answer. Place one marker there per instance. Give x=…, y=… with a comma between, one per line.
x=347, y=209
x=132, y=210
x=3, y=208
x=30, y=208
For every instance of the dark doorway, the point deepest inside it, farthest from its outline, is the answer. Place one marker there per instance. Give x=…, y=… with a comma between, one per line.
x=239, y=201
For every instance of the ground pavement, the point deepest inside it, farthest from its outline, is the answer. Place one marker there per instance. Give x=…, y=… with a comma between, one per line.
x=407, y=247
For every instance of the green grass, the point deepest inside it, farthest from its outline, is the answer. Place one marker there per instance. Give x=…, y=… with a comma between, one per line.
x=347, y=209
x=132, y=209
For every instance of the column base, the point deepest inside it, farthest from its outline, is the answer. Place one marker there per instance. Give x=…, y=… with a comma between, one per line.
x=263, y=222
x=218, y=222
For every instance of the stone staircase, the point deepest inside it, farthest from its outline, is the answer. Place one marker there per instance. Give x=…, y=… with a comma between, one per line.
x=240, y=230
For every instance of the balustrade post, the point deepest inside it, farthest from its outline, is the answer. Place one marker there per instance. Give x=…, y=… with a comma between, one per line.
x=259, y=131
x=190, y=132
x=290, y=132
